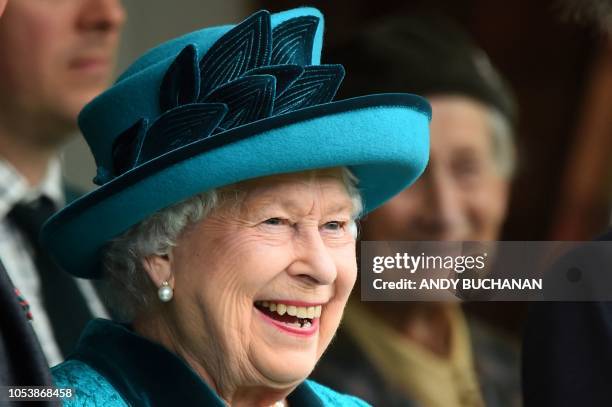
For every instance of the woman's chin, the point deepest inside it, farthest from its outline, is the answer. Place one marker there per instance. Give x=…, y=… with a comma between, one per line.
x=286, y=368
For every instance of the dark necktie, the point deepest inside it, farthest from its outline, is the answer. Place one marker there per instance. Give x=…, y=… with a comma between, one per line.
x=63, y=300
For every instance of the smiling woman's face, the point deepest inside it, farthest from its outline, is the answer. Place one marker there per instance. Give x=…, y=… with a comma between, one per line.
x=251, y=280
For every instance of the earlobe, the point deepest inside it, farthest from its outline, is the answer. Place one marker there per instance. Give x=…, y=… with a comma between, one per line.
x=159, y=269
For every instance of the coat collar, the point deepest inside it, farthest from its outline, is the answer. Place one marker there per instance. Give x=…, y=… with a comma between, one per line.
x=145, y=373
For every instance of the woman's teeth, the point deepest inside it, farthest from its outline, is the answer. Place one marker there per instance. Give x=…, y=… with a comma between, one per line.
x=291, y=315
x=305, y=324
x=294, y=311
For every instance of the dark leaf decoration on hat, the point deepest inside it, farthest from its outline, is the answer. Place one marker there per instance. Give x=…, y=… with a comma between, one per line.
x=181, y=84
x=248, y=99
x=125, y=149
x=250, y=73
x=180, y=127
x=318, y=84
x=243, y=48
x=285, y=74
x=292, y=41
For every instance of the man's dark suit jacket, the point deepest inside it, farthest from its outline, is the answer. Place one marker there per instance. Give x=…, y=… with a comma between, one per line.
x=22, y=362
x=567, y=353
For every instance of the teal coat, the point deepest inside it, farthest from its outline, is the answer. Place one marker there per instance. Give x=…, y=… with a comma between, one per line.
x=114, y=367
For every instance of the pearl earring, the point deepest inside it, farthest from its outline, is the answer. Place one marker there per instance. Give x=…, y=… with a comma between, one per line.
x=165, y=292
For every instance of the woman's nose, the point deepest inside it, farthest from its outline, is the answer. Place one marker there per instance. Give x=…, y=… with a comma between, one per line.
x=313, y=259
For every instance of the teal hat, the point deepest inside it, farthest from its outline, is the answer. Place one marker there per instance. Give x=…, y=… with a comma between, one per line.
x=223, y=105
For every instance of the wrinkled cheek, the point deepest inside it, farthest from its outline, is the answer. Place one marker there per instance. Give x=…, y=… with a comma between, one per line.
x=329, y=325
x=227, y=319
x=330, y=322
x=234, y=307
x=347, y=272
x=353, y=276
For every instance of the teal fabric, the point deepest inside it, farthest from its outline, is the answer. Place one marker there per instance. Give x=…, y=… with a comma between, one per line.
x=112, y=366
x=202, y=111
x=89, y=387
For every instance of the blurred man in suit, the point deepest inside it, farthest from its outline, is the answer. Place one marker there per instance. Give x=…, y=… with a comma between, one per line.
x=21, y=359
x=55, y=56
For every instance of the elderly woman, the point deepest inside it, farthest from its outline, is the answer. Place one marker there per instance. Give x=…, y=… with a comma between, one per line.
x=224, y=226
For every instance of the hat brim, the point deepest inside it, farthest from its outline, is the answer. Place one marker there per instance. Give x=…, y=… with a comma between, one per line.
x=383, y=139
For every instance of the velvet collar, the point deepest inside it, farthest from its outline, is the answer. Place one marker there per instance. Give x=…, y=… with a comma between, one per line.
x=147, y=374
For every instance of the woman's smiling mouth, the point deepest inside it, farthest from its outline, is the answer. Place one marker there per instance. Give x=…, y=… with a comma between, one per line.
x=290, y=317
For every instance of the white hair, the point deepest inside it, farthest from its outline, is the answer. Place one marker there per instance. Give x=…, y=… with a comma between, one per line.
x=504, y=150
x=127, y=287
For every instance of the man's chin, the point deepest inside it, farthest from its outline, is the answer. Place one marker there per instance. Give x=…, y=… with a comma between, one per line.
x=61, y=127
x=66, y=111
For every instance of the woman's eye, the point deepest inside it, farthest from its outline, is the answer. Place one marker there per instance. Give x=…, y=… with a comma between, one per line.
x=275, y=221
x=334, y=225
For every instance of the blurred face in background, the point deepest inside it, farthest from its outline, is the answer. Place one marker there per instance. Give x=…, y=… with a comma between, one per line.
x=55, y=56
x=462, y=194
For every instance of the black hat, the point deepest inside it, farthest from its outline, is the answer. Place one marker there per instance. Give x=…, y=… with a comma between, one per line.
x=423, y=53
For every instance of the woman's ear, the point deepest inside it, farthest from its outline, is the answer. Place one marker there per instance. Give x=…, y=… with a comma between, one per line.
x=158, y=268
